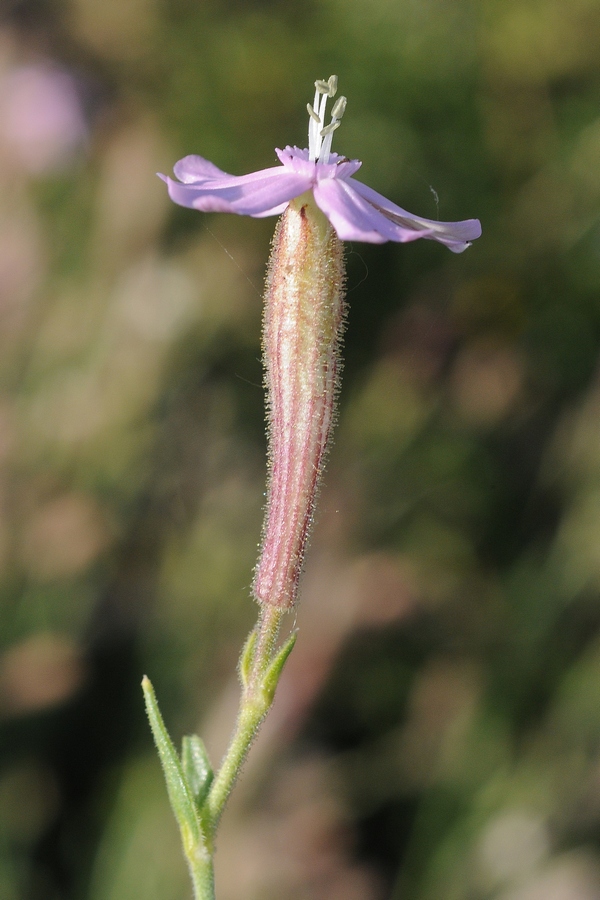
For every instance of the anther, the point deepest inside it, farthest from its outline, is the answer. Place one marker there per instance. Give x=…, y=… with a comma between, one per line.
x=322, y=86
x=329, y=128
x=339, y=108
x=313, y=114
x=332, y=85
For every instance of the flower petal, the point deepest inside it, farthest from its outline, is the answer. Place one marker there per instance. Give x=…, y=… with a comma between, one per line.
x=259, y=194
x=196, y=170
x=298, y=161
x=457, y=236
x=356, y=220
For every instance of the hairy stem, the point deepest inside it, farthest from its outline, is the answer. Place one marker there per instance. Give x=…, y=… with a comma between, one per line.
x=254, y=706
x=203, y=877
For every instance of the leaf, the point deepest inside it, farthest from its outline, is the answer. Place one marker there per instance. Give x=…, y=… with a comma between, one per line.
x=273, y=673
x=181, y=796
x=196, y=767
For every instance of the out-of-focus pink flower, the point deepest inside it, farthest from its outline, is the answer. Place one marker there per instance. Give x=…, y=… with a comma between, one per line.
x=357, y=212
x=41, y=117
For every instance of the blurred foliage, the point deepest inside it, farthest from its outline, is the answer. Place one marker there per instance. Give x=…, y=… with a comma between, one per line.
x=437, y=733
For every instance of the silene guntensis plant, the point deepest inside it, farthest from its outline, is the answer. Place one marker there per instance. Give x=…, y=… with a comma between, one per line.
x=321, y=204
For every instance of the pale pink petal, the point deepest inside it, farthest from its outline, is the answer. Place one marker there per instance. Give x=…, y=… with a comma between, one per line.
x=195, y=170
x=356, y=220
x=258, y=194
x=298, y=161
x=455, y=235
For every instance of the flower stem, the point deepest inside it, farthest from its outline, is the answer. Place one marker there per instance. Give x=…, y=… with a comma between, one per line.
x=254, y=705
x=197, y=798
x=203, y=877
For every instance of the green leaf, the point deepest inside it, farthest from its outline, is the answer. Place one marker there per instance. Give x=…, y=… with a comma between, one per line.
x=273, y=673
x=196, y=767
x=181, y=795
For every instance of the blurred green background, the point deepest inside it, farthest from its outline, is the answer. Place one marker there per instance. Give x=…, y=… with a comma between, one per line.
x=437, y=731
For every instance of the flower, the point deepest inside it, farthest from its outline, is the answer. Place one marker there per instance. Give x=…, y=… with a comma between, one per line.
x=42, y=121
x=356, y=211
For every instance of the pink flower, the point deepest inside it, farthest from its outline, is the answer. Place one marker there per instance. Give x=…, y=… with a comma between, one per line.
x=41, y=117
x=357, y=212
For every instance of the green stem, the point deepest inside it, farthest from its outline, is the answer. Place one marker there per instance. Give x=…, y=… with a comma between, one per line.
x=254, y=706
x=189, y=776
x=202, y=871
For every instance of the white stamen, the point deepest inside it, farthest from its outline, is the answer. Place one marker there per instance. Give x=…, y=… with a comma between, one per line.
x=313, y=126
x=322, y=108
x=326, y=145
x=319, y=134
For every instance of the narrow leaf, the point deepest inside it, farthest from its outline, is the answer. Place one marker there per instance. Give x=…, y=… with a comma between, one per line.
x=273, y=673
x=180, y=794
x=196, y=766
